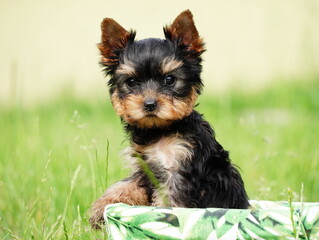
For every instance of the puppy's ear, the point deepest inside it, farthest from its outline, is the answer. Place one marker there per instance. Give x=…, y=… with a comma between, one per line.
x=114, y=38
x=183, y=31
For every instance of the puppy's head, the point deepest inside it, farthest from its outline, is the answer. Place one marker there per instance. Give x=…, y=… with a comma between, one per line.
x=154, y=82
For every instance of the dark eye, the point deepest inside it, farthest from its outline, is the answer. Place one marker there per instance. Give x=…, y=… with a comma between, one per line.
x=131, y=82
x=169, y=80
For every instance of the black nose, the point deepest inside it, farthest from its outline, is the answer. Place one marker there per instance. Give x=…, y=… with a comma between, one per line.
x=150, y=105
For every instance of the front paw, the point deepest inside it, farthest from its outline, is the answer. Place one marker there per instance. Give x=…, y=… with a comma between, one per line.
x=97, y=218
x=127, y=191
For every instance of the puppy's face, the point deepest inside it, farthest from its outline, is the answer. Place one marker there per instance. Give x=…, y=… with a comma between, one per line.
x=154, y=82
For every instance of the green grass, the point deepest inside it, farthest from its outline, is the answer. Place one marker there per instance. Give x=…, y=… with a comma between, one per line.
x=53, y=156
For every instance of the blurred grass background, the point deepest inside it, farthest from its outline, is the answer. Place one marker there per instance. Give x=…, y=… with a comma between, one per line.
x=60, y=138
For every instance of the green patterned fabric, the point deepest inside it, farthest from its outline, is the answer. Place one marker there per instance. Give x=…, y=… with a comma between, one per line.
x=264, y=220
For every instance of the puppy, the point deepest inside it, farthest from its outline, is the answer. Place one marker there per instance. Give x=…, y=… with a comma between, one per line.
x=154, y=84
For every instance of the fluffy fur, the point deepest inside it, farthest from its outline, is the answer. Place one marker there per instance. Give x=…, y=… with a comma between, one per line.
x=154, y=84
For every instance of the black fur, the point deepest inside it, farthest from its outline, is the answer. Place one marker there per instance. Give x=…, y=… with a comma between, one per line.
x=210, y=180
x=147, y=55
x=206, y=178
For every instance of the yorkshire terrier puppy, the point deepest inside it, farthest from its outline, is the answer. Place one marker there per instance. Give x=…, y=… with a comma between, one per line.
x=154, y=84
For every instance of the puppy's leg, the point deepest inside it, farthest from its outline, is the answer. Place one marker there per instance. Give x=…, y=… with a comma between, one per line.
x=126, y=191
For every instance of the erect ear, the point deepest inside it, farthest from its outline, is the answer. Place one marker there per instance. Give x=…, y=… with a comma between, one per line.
x=114, y=37
x=184, y=31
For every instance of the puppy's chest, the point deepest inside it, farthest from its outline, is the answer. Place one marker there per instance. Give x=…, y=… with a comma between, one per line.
x=167, y=153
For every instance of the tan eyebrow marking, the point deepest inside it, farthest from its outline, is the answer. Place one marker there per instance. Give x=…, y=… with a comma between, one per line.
x=126, y=69
x=169, y=64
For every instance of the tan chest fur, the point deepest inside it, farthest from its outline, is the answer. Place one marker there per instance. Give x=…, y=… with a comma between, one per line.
x=168, y=152
x=164, y=157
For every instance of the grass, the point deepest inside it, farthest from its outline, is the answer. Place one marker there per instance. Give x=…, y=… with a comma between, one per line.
x=54, y=156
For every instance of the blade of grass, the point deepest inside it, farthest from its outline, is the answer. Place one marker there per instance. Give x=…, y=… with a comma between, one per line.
x=67, y=203
x=80, y=222
x=53, y=232
x=35, y=203
x=65, y=231
x=44, y=223
x=290, y=199
x=75, y=119
x=12, y=234
x=151, y=176
x=300, y=224
x=97, y=165
x=107, y=162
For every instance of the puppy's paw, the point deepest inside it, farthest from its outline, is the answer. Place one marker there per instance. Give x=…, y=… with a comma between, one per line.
x=97, y=218
x=127, y=191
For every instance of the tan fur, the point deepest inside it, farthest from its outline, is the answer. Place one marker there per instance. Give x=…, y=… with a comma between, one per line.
x=126, y=191
x=174, y=109
x=170, y=64
x=126, y=68
x=184, y=28
x=169, y=109
x=113, y=36
x=167, y=153
x=130, y=108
